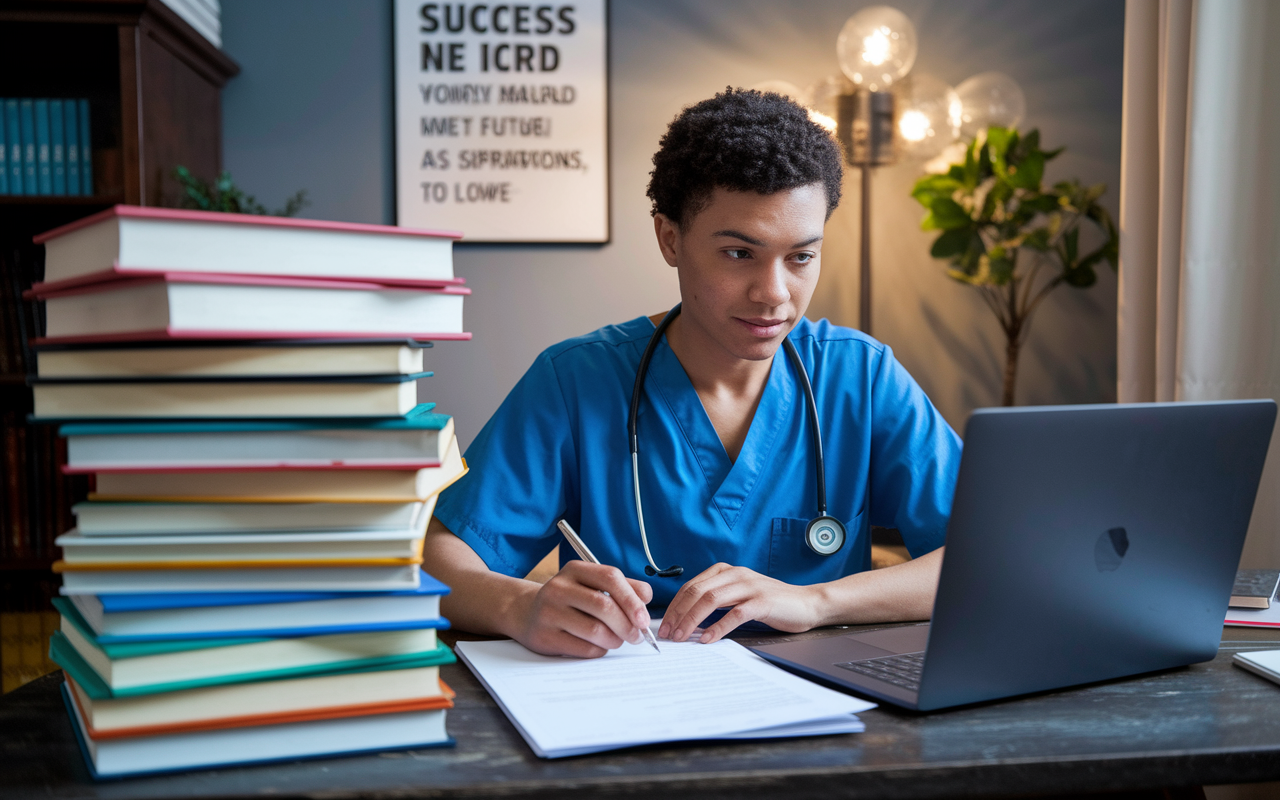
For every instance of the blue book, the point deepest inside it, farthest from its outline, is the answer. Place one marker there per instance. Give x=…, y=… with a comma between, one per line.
x=4, y=151
x=71, y=130
x=27, y=110
x=44, y=158
x=86, y=150
x=117, y=603
x=57, y=147
x=117, y=619
x=13, y=136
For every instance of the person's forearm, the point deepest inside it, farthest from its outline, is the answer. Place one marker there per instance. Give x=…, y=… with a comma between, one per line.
x=480, y=601
x=900, y=593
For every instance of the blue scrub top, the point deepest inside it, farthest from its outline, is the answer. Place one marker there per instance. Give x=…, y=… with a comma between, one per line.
x=557, y=447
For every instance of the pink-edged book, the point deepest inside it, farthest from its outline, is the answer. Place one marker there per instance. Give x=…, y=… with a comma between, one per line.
x=208, y=306
x=131, y=240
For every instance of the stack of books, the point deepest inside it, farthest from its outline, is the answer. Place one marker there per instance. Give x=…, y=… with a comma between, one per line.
x=244, y=582
x=45, y=146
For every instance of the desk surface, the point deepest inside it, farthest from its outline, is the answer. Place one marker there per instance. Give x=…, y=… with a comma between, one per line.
x=1205, y=724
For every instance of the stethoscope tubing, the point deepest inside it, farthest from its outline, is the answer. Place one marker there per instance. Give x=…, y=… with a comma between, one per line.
x=633, y=414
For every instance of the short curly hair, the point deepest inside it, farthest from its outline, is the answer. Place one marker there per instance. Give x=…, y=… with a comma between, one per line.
x=741, y=140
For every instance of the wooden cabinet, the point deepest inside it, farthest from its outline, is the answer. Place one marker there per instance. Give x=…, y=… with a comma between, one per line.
x=154, y=90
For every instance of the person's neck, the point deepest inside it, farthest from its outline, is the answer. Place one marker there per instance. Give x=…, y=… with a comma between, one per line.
x=715, y=372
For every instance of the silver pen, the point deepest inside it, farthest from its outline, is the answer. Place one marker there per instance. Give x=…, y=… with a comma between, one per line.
x=584, y=552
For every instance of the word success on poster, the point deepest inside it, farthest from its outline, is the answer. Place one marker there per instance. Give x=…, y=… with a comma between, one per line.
x=502, y=120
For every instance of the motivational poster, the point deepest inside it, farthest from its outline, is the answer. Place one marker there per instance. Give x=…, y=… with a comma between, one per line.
x=502, y=120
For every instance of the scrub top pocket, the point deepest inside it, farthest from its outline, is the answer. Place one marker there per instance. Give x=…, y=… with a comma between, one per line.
x=791, y=560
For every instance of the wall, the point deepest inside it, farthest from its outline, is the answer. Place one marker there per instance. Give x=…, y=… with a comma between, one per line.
x=312, y=108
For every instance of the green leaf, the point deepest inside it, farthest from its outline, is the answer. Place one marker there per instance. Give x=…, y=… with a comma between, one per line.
x=1037, y=239
x=1029, y=173
x=953, y=242
x=1030, y=144
x=1038, y=204
x=998, y=141
x=999, y=265
x=932, y=187
x=945, y=214
x=1071, y=248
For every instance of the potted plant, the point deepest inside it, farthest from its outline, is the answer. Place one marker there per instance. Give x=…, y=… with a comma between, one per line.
x=1008, y=236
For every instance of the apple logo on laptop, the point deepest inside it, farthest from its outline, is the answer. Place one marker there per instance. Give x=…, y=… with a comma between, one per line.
x=1110, y=549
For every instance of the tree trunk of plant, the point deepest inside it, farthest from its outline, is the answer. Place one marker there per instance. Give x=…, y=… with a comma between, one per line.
x=1010, y=370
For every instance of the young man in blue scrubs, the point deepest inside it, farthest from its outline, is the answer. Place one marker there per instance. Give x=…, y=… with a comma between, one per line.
x=742, y=187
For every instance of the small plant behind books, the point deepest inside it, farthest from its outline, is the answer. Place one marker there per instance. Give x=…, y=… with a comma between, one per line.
x=224, y=195
x=1009, y=237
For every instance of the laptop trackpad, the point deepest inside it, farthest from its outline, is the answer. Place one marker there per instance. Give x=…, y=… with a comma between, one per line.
x=906, y=639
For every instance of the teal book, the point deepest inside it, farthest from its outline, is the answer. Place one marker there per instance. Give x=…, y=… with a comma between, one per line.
x=30, y=173
x=13, y=139
x=64, y=654
x=44, y=158
x=4, y=150
x=71, y=130
x=420, y=418
x=86, y=149
x=57, y=147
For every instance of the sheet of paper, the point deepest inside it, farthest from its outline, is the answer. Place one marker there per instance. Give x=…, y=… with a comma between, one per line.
x=634, y=696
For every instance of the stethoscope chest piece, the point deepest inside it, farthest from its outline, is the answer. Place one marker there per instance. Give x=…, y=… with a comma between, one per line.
x=824, y=535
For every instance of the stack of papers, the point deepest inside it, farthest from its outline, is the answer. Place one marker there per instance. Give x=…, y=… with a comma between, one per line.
x=634, y=696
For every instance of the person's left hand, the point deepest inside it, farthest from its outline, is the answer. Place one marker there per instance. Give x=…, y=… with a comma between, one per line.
x=748, y=595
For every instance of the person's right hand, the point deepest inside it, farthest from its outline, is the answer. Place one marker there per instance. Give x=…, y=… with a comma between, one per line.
x=571, y=615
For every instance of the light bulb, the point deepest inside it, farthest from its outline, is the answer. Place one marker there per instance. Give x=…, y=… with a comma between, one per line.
x=914, y=126
x=876, y=47
x=821, y=100
x=928, y=116
x=990, y=99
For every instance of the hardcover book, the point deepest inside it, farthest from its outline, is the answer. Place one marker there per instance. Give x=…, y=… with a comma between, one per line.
x=173, y=240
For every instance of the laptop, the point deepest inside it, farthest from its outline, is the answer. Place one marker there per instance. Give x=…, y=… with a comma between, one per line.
x=1085, y=543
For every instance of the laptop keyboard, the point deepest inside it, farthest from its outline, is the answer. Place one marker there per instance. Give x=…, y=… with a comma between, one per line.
x=902, y=670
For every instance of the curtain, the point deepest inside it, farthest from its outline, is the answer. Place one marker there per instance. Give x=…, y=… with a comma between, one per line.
x=1200, y=216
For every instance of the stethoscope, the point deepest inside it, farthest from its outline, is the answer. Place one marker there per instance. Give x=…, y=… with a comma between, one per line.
x=824, y=535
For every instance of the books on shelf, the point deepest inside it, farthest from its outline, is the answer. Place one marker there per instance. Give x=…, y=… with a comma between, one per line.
x=319, y=396
x=420, y=439
x=174, y=305
x=245, y=583
x=44, y=146
x=131, y=240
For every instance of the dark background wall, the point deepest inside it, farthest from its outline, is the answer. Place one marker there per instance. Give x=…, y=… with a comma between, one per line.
x=313, y=109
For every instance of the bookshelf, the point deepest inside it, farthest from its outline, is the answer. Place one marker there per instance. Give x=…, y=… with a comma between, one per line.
x=154, y=90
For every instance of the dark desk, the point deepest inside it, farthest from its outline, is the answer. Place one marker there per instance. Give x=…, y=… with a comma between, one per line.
x=1207, y=724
